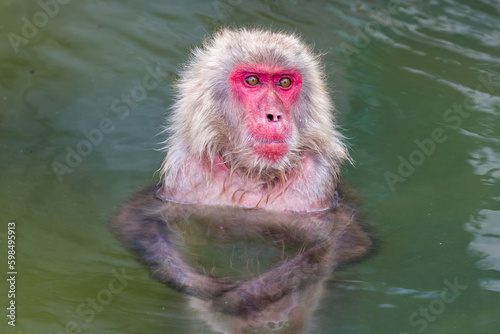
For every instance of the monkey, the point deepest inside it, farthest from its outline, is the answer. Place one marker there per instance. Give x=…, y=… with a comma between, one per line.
x=252, y=152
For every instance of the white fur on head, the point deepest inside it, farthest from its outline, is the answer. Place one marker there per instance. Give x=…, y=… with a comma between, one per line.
x=206, y=121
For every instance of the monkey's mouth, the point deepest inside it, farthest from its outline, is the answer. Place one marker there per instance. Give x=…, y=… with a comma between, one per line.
x=270, y=141
x=271, y=150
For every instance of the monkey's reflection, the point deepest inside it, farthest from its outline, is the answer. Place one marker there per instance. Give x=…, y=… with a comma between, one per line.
x=281, y=298
x=291, y=314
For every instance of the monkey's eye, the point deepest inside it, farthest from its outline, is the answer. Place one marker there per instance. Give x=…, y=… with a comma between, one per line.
x=252, y=80
x=285, y=82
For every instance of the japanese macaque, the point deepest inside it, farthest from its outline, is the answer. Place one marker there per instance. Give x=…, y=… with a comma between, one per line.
x=253, y=154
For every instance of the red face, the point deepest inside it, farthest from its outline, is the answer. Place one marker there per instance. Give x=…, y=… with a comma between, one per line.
x=267, y=95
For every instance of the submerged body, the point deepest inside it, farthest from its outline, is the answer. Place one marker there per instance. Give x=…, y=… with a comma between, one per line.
x=149, y=228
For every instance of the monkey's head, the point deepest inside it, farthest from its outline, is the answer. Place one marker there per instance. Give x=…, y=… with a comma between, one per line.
x=256, y=100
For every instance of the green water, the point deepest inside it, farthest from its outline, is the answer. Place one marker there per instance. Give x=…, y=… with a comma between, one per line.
x=417, y=85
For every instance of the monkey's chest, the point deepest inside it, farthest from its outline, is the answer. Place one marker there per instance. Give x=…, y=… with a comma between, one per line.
x=236, y=193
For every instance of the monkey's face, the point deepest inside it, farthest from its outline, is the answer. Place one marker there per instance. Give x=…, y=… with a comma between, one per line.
x=266, y=95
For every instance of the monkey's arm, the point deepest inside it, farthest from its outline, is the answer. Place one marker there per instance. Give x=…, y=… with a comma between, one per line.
x=338, y=239
x=141, y=225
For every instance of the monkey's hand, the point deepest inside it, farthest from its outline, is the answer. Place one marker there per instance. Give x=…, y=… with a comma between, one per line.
x=254, y=296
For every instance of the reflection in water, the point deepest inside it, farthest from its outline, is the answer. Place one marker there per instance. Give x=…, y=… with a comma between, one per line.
x=484, y=225
x=282, y=298
x=486, y=235
x=291, y=314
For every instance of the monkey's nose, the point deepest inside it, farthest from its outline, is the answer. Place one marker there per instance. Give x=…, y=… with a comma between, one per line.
x=274, y=118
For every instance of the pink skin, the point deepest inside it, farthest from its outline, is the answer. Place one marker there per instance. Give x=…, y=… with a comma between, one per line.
x=267, y=105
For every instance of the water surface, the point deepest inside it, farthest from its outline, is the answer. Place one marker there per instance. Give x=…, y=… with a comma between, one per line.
x=417, y=86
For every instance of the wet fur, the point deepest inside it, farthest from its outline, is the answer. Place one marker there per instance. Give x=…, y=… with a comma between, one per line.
x=205, y=122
